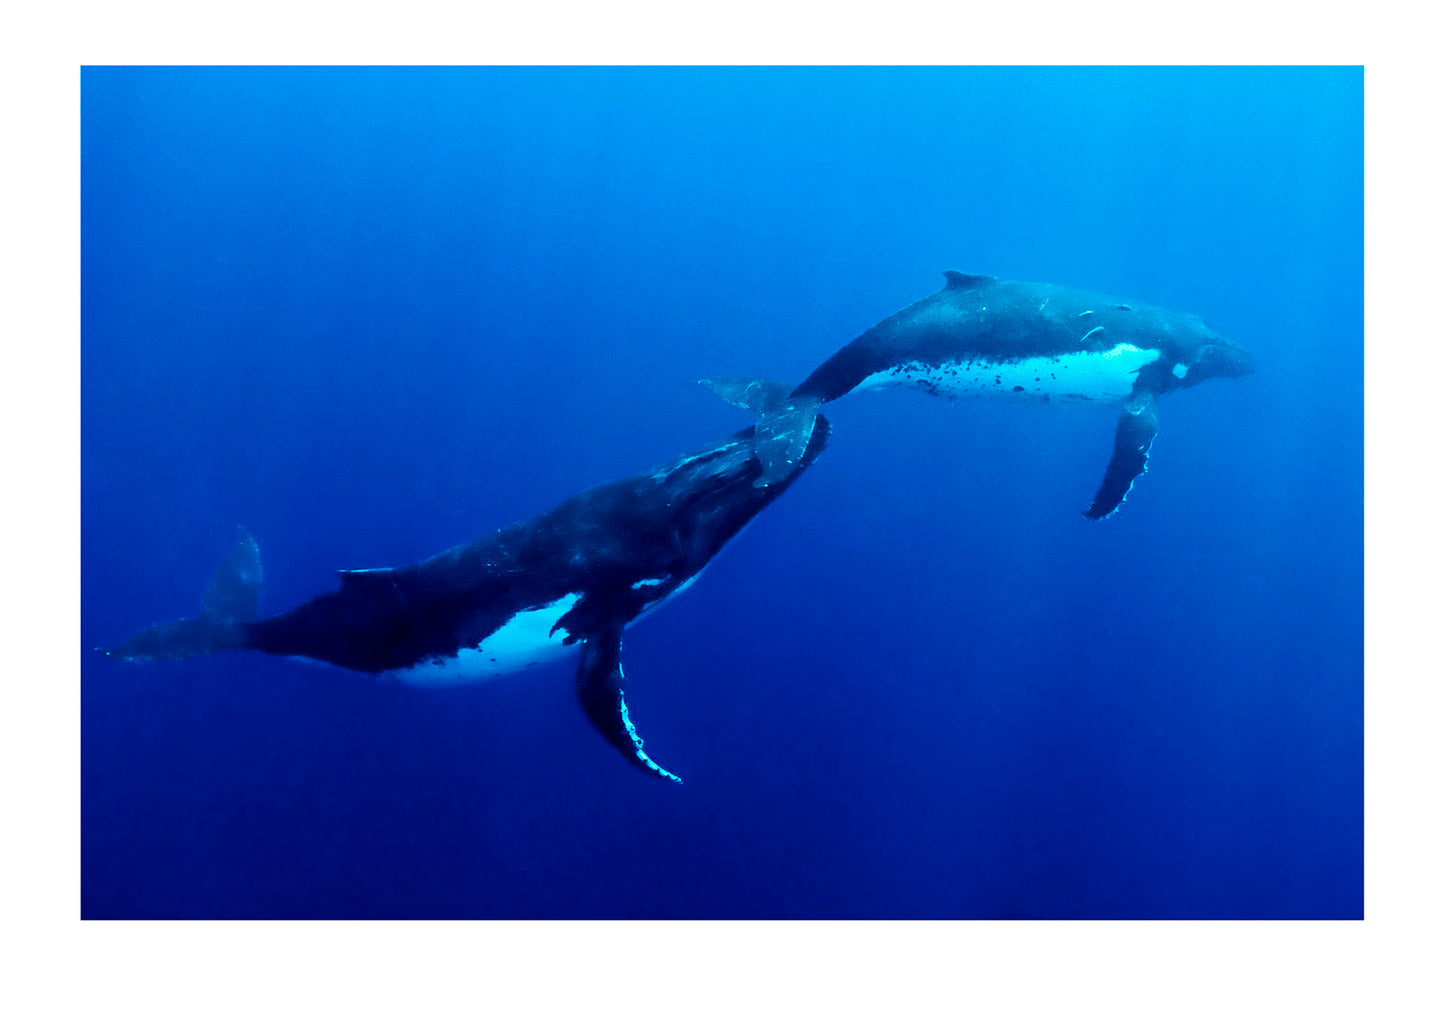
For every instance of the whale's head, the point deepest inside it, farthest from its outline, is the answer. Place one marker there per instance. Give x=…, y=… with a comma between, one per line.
x=1210, y=355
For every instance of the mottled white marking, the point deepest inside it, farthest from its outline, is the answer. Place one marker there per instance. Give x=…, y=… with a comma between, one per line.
x=1180, y=370
x=647, y=582
x=525, y=640
x=655, y=603
x=688, y=582
x=642, y=756
x=1079, y=376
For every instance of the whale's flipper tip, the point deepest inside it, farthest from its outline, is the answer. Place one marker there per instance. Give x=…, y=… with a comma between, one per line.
x=1138, y=425
x=599, y=689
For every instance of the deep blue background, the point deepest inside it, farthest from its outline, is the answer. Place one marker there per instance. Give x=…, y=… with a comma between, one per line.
x=372, y=313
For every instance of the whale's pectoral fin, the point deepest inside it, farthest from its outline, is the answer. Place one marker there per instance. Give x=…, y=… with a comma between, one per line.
x=599, y=689
x=786, y=424
x=231, y=599
x=1132, y=439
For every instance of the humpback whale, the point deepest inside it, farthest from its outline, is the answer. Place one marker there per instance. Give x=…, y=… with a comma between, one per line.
x=983, y=335
x=575, y=575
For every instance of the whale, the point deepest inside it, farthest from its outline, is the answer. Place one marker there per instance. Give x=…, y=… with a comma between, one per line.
x=981, y=335
x=567, y=580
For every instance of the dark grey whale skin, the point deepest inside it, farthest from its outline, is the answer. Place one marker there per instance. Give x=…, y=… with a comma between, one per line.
x=625, y=546
x=983, y=320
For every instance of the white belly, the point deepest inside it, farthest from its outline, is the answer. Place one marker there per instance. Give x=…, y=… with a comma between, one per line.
x=524, y=641
x=1084, y=376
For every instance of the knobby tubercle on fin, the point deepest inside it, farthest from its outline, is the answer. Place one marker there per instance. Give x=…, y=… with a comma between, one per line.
x=646, y=759
x=600, y=684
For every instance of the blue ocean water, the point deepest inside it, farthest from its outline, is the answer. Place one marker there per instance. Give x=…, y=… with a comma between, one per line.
x=371, y=313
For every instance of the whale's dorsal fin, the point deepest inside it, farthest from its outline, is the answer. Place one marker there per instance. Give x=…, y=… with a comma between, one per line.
x=599, y=689
x=957, y=281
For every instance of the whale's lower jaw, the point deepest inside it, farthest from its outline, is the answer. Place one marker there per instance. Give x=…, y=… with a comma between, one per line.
x=1105, y=376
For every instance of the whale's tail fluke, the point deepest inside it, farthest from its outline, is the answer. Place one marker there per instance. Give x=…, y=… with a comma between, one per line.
x=232, y=598
x=785, y=423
